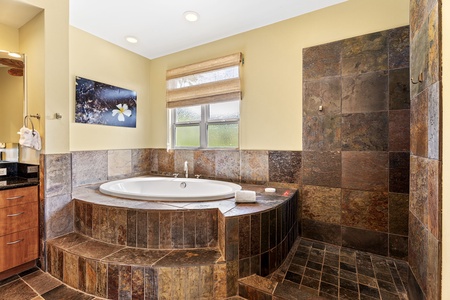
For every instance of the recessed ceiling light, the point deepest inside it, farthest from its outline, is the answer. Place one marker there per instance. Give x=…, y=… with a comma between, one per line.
x=131, y=39
x=191, y=16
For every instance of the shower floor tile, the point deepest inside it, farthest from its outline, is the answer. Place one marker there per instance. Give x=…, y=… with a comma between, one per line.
x=333, y=272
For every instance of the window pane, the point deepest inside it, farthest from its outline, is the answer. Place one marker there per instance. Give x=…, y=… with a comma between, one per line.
x=188, y=114
x=223, y=135
x=187, y=136
x=201, y=78
x=224, y=110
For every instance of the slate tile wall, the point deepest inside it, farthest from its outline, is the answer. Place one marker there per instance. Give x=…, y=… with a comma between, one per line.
x=355, y=159
x=426, y=161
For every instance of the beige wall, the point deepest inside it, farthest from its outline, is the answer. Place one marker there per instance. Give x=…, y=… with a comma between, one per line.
x=9, y=38
x=271, y=113
x=107, y=63
x=446, y=150
x=49, y=76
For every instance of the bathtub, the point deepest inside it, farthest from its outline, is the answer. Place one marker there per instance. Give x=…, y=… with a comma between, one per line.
x=170, y=189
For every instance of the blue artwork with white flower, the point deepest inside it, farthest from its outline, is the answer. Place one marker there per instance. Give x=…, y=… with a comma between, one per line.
x=105, y=104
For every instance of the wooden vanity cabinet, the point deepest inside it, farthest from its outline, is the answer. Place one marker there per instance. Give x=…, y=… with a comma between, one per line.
x=19, y=227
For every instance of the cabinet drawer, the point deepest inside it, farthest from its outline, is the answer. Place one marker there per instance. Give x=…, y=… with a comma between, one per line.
x=18, y=196
x=18, y=218
x=18, y=248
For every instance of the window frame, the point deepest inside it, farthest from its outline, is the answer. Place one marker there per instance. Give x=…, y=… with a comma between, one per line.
x=203, y=124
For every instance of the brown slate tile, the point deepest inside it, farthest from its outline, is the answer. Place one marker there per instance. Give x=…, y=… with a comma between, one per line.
x=399, y=98
x=193, y=290
x=136, y=256
x=66, y=293
x=325, y=92
x=418, y=193
x=434, y=201
x=95, y=249
x=165, y=279
x=285, y=166
x=365, y=240
x=69, y=240
x=244, y=237
x=419, y=125
x=137, y=283
x=102, y=280
x=113, y=281
x=16, y=290
x=322, y=61
x=189, y=257
x=121, y=227
x=179, y=282
x=322, y=168
x=322, y=133
x=206, y=287
x=321, y=204
x=131, y=228
x=141, y=229
x=365, y=53
x=321, y=231
x=165, y=237
x=366, y=210
x=398, y=213
x=177, y=220
x=125, y=279
x=151, y=283
x=399, y=124
x=398, y=41
x=71, y=274
x=365, y=92
x=205, y=163
x=91, y=276
x=365, y=131
x=365, y=170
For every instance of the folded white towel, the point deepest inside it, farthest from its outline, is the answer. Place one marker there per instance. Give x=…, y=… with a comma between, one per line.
x=245, y=196
x=30, y=138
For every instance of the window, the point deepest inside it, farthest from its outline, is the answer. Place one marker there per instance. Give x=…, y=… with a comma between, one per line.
x=204, y=103
x=213, y=125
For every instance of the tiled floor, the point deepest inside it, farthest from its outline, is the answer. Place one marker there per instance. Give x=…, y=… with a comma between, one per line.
x=313, y=267
x=36, y=284
x=334, y=272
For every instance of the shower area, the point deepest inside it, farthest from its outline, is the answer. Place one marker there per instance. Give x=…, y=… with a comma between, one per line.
x=371, y=158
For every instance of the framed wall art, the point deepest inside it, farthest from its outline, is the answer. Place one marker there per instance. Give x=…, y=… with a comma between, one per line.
x=104, y=104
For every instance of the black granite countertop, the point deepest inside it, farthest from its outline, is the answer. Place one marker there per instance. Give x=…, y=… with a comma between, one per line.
x=18, y=175
x=17, y=182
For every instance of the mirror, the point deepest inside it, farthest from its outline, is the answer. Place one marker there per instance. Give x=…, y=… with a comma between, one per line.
x=12, y=68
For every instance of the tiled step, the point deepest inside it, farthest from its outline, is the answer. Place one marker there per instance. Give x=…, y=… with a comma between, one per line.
x=113, y=271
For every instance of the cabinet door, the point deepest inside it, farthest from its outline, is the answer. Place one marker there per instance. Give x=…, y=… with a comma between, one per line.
x=18, y=196
x=18, y=248
x=18, y=218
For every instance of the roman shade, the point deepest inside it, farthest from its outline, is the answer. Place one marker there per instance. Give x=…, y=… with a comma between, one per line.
x=210, y=81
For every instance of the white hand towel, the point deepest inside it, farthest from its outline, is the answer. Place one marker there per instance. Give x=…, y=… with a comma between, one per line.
x=30, y=138
x=245, y=196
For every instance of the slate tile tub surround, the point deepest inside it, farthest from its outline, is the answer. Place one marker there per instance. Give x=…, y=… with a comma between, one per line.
x=194, y=250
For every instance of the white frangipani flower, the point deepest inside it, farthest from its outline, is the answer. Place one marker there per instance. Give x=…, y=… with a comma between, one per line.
x=122, y=110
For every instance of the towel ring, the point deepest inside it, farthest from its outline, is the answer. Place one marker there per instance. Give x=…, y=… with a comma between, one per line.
x=25, y=124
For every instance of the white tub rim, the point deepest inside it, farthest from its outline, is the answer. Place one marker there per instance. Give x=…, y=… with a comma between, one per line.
x=110, y=188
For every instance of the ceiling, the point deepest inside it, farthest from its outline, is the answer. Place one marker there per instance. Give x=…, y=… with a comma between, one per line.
x=159, y=25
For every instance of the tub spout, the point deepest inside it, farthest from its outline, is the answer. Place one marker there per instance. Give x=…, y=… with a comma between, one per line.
x=186, y=169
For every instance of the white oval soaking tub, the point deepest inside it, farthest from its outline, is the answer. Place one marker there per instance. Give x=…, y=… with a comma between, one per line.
x=170, y=189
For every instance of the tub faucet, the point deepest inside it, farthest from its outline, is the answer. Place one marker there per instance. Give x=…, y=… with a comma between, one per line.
x=186, y=169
